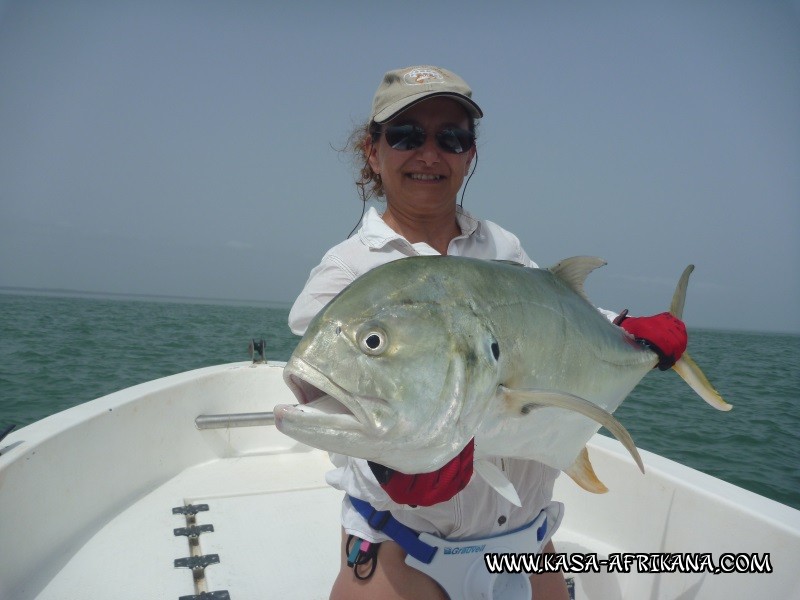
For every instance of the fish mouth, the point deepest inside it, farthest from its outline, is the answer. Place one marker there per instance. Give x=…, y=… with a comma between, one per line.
x=324, y=405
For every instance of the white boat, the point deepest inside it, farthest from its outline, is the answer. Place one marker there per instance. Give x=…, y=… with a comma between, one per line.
x=92, y=503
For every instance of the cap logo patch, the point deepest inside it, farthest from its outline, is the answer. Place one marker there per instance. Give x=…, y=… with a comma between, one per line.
x=422, y=76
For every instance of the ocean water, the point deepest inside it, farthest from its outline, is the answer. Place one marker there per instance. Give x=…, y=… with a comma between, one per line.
x=57, y=352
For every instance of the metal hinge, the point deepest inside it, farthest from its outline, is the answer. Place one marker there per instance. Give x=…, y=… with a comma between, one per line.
x=193, y=531
x=221, y=595
x=196, y=563
x=189, y=509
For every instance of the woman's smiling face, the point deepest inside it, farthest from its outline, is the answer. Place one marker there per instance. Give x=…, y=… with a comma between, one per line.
x=426, y=176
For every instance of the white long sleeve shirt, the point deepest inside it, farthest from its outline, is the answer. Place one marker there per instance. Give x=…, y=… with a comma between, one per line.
x=478, y=510
x=376, y=243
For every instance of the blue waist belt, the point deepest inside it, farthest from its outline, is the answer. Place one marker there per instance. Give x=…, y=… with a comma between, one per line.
x=407, y=538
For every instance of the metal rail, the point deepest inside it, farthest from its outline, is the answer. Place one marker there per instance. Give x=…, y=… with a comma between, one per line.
x=256, y=419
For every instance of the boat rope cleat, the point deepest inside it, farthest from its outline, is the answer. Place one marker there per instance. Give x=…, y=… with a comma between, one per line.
x=257, y=349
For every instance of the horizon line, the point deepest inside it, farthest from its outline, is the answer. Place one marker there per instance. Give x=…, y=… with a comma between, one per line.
x=133, y=295
x=277, y=303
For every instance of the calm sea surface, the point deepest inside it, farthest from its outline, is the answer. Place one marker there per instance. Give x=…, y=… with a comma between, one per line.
x=56, y=352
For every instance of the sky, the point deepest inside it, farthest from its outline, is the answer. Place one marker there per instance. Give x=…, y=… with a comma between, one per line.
x=193, y=148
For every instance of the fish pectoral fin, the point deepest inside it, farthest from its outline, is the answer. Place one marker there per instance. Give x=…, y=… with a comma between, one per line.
x=523, y=401
x=691, y=374
x=497, y=480
x=582, y=473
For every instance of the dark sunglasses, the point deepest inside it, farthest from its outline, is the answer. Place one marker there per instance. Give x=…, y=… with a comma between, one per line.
x=410, y=137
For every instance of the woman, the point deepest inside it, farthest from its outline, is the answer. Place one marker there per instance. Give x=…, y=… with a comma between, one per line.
x=417, y=148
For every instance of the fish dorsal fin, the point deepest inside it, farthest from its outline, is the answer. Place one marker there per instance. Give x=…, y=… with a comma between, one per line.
x=574, y=271
x=497, y=480
x=582, y=473
x=513, y=263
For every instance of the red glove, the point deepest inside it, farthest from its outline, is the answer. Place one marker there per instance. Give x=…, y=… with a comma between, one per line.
x=426, y=489
x=664, y=334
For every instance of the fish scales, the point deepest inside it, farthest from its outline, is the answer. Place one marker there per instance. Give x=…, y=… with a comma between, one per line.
x=420, y=355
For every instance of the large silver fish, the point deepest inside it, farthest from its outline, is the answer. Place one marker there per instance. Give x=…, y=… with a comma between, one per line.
x=420, y=355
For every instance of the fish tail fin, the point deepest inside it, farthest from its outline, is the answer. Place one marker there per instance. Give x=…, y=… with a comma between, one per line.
x=686, y=367
x=694, y=376
x=679, y=297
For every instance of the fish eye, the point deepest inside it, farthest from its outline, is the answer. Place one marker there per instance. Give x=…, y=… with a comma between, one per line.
x=373, y=341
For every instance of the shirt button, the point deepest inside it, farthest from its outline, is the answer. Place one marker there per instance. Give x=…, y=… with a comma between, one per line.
x=501, y=520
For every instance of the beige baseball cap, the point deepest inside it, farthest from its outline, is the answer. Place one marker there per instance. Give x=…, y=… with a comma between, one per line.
x=403, y=88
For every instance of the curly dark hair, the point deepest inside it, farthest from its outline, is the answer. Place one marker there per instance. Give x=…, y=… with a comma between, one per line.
x=368, y=182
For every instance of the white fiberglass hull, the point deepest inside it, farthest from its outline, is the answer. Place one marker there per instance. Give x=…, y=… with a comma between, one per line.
x=86, y=499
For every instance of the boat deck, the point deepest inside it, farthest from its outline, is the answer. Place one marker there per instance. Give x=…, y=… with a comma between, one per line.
x=88, y=496
x=275, y=530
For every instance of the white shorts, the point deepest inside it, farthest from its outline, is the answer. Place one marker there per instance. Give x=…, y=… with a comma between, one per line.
x=477, y=511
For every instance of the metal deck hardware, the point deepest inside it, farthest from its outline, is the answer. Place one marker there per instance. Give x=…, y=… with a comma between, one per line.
x=189, y=509
x=193, y=531
x=220, y=595
x=257, y=348
x=197, y=563
x=254, y=419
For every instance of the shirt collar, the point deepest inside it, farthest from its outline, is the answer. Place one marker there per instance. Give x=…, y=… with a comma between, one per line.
x=467, y=223
x=375, y=233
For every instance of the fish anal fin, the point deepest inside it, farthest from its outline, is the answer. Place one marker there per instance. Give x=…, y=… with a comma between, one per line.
x=582, y=473
x=574, y=271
